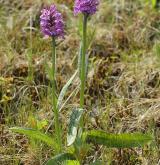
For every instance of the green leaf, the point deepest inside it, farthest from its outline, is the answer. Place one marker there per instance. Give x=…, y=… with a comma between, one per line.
x=64, y=89
x=73, y=125
x=124, y=140
x=59, y=159
x=71, y=162
x=41, y=124
x=36, y=135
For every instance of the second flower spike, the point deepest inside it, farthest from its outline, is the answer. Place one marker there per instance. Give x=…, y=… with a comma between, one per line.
x=85, y=6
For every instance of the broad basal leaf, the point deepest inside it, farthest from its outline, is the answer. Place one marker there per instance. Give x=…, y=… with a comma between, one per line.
x=36, y=135
x=73, y=125
x=59, y=159
x=125, y=140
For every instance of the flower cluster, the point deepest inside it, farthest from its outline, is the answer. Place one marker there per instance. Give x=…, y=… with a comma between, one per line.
x=51, y=22
x=85, y=6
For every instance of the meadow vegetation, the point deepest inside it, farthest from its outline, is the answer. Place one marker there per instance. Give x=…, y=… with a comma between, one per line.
x=122, y=91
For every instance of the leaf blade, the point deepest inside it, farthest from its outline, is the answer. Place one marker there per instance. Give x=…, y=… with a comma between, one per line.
x=73, y=125
x=72, y=162
x=58, y=159
x=124, y=140
x=36, y=135
x=64, y=89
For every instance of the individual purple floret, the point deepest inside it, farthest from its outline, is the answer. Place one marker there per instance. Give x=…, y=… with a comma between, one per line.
x=51, y=22
x=85, y=6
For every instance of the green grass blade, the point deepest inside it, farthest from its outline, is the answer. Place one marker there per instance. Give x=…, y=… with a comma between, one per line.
x=36, y=135
x=64, y=89
x=154, y=3
x=97, y=162
x=73, y=125
x=124, y=140
x=49, y=71
x=59, y=159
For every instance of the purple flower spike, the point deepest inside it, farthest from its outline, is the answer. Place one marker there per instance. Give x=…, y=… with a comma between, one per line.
x=51, y=22
x=85, y=6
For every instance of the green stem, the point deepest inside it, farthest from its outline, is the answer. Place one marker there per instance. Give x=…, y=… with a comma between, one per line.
x=83, y=61
x=56, y=114
x=83, y=65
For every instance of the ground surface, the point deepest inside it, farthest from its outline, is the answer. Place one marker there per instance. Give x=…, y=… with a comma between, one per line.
x=123, y=85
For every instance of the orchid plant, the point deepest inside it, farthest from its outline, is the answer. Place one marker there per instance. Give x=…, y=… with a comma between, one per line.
x=52, y=25
x=78, y=138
